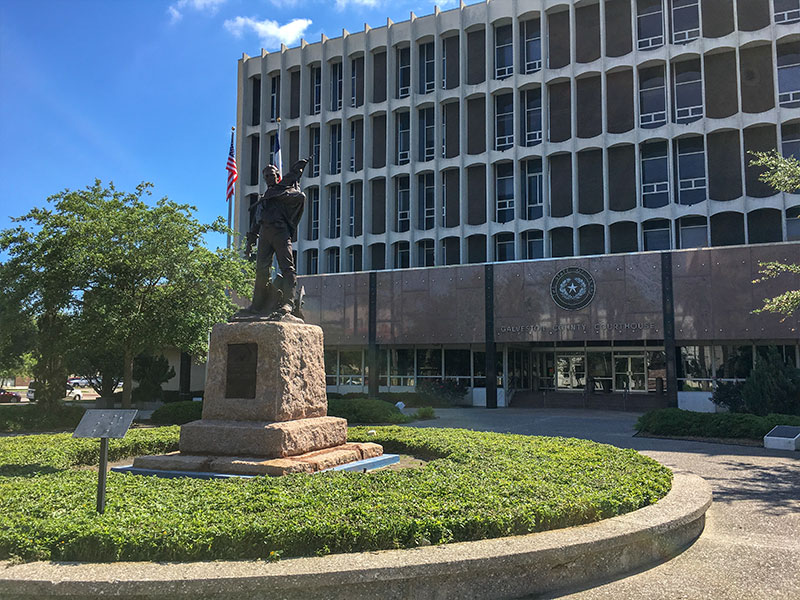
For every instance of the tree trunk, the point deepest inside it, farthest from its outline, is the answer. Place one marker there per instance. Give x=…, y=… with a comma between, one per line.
x=127, y=378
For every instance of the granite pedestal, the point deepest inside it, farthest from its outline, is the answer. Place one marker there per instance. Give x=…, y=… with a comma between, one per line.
x=265, y=407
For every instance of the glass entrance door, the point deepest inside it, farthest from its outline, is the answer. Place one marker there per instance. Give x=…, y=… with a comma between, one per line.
x=629, y=373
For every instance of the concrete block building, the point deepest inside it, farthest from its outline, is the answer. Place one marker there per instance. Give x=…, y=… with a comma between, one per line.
x=541, y=133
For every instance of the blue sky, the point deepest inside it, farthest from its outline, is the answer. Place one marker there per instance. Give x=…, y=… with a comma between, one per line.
x=142, y=90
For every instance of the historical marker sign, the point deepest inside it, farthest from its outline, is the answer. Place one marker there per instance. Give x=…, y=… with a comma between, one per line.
x=783, y=437
x=240, y=375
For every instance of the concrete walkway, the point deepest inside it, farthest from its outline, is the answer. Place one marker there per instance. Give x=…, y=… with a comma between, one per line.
x=751, y=544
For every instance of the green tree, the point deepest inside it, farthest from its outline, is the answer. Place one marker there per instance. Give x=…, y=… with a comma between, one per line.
x=107, y=270
x=772, y=386
x=783, y=174
x=150, y=371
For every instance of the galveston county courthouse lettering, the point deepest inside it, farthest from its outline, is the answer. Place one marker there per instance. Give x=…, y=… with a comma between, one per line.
x=548, y=201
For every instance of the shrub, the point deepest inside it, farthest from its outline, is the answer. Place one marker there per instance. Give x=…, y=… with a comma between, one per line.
x=150, y=372
x=677, y=422
x=477, y=485
x=772, y=387
x=729, y=395
x=446, y=391
x=365, y=410
x=425, y=413
x=37, y=418
x=177, y=413
x=175, y=396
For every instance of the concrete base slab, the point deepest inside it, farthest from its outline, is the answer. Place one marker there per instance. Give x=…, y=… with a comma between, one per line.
x=499, y=568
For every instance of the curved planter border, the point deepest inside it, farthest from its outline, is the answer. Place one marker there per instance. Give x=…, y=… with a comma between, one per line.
x=497, y=568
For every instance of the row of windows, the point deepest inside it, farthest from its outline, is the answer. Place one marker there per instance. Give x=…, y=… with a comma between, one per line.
x=656, y=21
x=693, y=231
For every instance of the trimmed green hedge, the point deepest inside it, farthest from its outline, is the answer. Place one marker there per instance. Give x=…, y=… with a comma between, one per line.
x=476, y=486
x=677, y=422
x=365, y=411
x=177, y=413
x=34, y=417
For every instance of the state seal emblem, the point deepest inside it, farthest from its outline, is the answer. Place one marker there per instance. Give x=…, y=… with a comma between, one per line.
x=572, y=288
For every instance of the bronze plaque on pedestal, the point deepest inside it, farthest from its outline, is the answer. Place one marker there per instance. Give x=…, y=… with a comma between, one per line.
x=240, y=376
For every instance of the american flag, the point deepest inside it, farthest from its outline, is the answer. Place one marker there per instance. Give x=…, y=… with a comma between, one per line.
x=277, y=155
x=233, y=173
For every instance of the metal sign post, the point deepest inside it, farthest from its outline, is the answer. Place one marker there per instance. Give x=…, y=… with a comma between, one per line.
x=104, y=424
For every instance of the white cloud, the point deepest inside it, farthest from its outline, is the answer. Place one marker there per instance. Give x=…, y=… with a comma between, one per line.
x=342, y=4
x=269, y=32
x=175, y=11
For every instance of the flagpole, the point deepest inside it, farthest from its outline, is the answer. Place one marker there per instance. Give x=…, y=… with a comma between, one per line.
x=230, y=202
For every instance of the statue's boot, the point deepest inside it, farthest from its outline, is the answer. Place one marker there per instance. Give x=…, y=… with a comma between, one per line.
x=259, y=297
x=289, y=292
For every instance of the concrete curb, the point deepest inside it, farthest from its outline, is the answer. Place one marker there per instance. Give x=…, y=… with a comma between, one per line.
x=498, y=568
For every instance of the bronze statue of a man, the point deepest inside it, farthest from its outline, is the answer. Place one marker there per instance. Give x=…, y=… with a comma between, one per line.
x=274, y=224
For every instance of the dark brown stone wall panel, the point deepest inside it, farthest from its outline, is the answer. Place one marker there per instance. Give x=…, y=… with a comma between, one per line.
x=561, y=242
x=358, y=215
x=294, y=146
x=591, y=239
x=476, y=249
x=558, y=36
x=454, y=127
x=379, y=77
x=359, y=144
x=758, y=139
x=619, y=101
x=717, y=17
x=727, y=229
x=590, y=182
x=764, y=226
x=378, y=205
x=720, y=82
x=476, y=125
x=294, y=95
x=561, y=185
x=753, y=14
x=587, y=33
x=379, y=142
x=358, y=64
x=589, y=99
x=724, y=165
x=756, y=79
x=621, y=177
x=618, y=20
x=451, y=178
x=476, y=195
x=476, y=57
x=560, y=112
x=623, y=237
x=451, y=45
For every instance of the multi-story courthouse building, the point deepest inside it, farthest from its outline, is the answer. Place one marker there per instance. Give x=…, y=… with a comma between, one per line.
x=550, y=201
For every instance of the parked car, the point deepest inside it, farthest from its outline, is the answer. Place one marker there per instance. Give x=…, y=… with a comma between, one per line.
x=78, y=382
x=8, y=396
x=70, y=392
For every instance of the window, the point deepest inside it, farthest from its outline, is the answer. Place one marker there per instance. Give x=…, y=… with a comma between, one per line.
x=504, y=247
x=403, y=204
x=685, y=21
x=427, y=201
x=403, y=136
x=693, y=232
x=531, y=46
x=652, y=97
x=336, y=86
x=688, y=91
x=532, y=188
x=444, y=64
x=273, y=139
x=691, y=171
x=354, y=67
x=275, y=98
x=503, y=52
x=351, y=210
x=313, y=214
x=255, y=87
x=332, y=255
x=504, y=189
x=427, y=81
x=504, y=121
x=426, y=253
x=649, y=24
x=403, y=72
x=316, y=90
x=790, y=144
x=334, y=211
x=352, y=146
x=312, y=261
x=787, y=11
x=656, y=234
x=450, y=251
x=533, y=244
x=336, y=149
x=353, y=258
x=655, y=175
x=401, y=255
x=315, y=143
x=793, y=224
x=427, y=144
x=444, y=132
x=533, y=116
x=789, y=75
